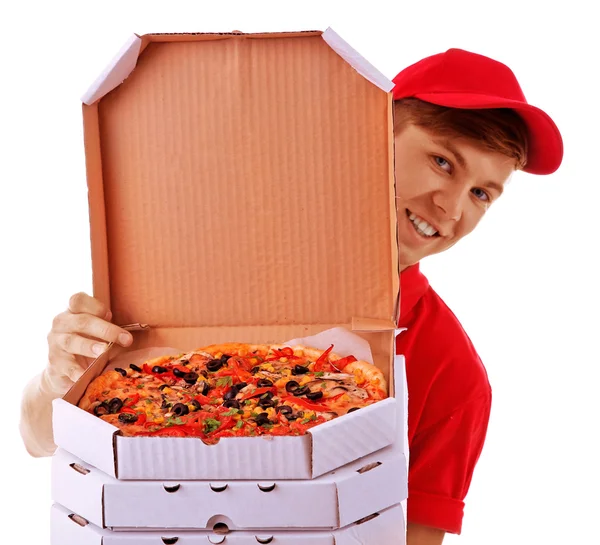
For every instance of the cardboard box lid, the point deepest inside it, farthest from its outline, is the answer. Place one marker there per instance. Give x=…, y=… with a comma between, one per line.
x=334, y=500
x=241, y=180
x=384, y=527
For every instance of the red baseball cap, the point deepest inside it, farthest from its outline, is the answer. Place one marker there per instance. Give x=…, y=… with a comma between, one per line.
x=461, y=79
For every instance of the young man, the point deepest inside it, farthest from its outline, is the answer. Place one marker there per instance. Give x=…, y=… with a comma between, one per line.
x=462, y=127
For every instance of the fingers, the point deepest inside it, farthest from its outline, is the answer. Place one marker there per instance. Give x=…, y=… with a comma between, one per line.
x=87, y=325
x=82, y=303
x=78, y=345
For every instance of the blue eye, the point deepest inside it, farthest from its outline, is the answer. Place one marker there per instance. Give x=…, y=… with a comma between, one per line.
x=481, y=194
x=442, y=163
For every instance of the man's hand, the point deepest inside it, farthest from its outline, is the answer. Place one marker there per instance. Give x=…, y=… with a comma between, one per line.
x=79, y=335
x=417, y=534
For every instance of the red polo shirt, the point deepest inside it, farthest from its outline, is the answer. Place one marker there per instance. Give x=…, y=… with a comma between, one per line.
x=449, y=399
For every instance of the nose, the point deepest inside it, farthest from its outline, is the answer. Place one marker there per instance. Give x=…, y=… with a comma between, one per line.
x=451, y=202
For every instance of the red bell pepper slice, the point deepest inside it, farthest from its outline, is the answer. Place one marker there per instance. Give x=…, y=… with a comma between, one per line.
x=285, y=352
x=340, y=364
x=132, y=400
x=320, y=363
x=147, y=369
x=202, y=399
x=173, y=431
x=242, y=374
x=141, y=419
x=258, y=392
x=305, y=403
x=227, y=423
x=128, y=410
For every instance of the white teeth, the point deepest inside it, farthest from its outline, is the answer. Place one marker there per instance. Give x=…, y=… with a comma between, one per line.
x=422, y=226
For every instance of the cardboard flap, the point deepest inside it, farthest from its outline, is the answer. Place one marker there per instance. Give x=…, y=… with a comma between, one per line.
x=116, y=72
x=242, y=181
x=334, y=446
x=357, y=61
x=93, y=440
x=78, y=485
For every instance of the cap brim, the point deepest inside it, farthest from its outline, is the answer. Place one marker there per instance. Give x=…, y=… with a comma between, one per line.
x=545, y=144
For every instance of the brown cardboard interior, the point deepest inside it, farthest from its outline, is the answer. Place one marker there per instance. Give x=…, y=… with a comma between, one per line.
x=241, y=188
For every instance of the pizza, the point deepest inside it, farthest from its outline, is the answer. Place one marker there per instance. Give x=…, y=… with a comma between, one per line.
x=233, y=390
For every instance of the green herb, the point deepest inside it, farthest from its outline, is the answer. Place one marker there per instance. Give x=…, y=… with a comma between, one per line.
x=224, y=381
x=248, y=402
x=313, y=416
x=231, y=412
x=213, y=402
x=210, y=424
x=324, y=385
x=319, y=373
x=106, y=392
x=148, y=401
x=267, y=426
x=139, y=386
x=252, y=433
x=305, y=421
x=239, y=424
x=253, y=414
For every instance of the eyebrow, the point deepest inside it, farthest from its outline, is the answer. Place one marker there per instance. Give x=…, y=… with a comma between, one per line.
x=446, y=143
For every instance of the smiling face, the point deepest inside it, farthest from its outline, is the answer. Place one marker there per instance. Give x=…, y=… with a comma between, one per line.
x=445, y=184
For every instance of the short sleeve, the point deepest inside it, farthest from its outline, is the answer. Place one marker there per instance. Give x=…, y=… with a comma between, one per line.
x=442, y=461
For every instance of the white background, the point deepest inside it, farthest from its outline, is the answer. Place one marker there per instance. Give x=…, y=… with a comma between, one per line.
x=524, y=284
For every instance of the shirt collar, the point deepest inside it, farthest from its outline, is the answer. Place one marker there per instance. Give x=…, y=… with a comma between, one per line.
x=413, y=286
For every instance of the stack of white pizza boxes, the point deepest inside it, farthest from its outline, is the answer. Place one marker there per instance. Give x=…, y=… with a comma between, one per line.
x=241, y=189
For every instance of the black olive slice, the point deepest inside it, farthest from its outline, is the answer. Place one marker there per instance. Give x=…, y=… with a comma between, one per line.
x=190, y=378
x=292, y=386
x=264, y=383
x=121, y=371
x=135, y=368
x=314, y=395
x=163, y=386
x=285, y=410
x=204, y=387
x=301, y=391
x=225, y=357
x=128, y=418
x=353, y=409
x=255, y=370
x=179, y=373
x=180, y=409
x=232, y=404
x=196, y=404
x=102, y=409
x=158, y=369
x=265, y=403
x=240, y=385
x=262, y=419
x=299, y=370
x=115, y=405
x=214, y=365
x=230, y=394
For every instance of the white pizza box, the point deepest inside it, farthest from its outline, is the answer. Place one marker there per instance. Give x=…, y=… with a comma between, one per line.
x=385, y=527
x=241, y=188
x=331, y=501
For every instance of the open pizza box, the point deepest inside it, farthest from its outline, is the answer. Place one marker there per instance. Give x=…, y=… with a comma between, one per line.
x=241, y=189
x=379, y=528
